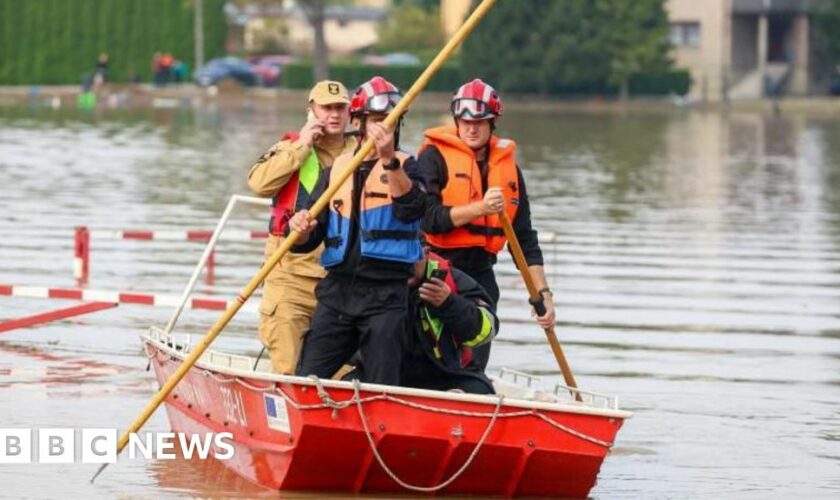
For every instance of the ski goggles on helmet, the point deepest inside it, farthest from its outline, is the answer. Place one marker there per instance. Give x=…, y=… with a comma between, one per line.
x=471, y=108
x=382, y=103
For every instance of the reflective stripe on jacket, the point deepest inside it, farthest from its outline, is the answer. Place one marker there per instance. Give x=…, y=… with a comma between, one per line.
x=291, y=198
x=433, y=326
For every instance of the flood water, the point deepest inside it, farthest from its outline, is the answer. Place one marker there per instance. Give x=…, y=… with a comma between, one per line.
x=696, y=271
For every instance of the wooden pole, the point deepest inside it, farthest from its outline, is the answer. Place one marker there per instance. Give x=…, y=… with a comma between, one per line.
x=367, y=147
x=536, y=300
x=198, y=32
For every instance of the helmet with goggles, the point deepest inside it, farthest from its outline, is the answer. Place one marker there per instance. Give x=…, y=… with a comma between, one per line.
x=476, y=100
x=376, y=95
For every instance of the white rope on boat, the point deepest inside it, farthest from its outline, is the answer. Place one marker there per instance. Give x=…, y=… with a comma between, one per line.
x=330, y=403
x=412, y=487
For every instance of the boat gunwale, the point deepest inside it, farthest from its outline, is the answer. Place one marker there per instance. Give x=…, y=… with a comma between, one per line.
x=487, y=400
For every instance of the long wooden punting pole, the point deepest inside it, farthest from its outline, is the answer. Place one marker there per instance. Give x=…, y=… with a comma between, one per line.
x=252, y=285
x=537, y=301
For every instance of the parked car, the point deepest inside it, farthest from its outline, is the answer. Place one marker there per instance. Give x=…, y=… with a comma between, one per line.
x=279, y=60
x=267, y=75
x=269, y=68
x=834, y=83
x=219, y=69
x=393, y=59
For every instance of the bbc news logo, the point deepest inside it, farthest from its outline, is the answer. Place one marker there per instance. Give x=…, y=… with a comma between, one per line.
x=99, y=446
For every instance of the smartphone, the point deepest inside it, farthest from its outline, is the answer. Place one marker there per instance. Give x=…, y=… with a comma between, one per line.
x=439, y=274
x=310, y=116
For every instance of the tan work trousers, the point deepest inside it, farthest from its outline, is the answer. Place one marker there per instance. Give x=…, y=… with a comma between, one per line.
x=285, y=314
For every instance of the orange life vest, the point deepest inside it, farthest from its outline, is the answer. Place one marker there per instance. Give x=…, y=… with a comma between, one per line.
x=464, y=187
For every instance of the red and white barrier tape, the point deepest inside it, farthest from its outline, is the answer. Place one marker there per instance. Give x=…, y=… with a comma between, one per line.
x=229, y=235
x=145, y=299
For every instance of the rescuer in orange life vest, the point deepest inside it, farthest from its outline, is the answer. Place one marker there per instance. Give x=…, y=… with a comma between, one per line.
x=291, y=172
x=471, y=176
x=371, y=237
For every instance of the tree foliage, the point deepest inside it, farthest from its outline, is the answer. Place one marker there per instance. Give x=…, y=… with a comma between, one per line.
x=58, y=41
x=634, y=37
x=561, y=46
x=826, y=21
x=411, y=28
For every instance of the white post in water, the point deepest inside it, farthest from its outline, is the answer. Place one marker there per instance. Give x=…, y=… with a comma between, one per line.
x=208, y=250
x=198, y=28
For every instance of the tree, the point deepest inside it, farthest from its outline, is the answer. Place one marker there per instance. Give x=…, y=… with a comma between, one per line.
x=568, y=46
x=315, y=11
x=425, y=4
x=634, y=38
x=826, y=21
x=411, y=28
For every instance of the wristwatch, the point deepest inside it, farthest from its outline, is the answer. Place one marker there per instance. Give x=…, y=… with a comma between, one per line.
x=394, y=164
x=545, y=290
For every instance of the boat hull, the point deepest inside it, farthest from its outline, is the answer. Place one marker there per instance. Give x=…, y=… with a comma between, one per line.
x=286, y=437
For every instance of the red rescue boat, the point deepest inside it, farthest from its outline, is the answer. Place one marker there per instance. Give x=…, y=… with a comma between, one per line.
x=294, y=433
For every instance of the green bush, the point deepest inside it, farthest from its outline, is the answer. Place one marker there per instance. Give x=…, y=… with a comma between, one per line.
x=58, y=41
x=299, y=75
x=672, y=82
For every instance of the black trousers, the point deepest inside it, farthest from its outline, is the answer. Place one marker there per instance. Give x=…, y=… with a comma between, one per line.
x=420, y=372
x=487, y=280
x=351, y=316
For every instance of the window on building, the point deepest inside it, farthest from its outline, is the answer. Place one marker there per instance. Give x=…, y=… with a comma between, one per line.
x=685, y=34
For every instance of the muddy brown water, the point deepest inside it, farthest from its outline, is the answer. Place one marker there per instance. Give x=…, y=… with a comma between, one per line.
x=695, y=268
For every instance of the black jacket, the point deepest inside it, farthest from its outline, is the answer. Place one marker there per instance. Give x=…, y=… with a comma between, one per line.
x=462, y=316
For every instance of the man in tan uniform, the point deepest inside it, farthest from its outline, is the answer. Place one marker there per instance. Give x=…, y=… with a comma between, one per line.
x=290, y=172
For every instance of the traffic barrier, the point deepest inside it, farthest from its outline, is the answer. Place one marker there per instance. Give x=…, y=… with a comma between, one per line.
x=83, y=235
x=117, y=297
x=55, y=315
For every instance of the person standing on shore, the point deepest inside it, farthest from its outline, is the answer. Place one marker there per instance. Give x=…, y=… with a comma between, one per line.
x=472, y=176
x=101, y=72
x=290, y=172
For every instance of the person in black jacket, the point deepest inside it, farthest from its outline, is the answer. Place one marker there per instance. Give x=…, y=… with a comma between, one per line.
x=371, y=242
x=449, y=314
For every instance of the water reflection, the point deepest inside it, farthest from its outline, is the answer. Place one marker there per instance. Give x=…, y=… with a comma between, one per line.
x=695, y=264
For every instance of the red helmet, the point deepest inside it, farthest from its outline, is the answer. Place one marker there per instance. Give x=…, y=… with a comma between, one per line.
x=376, y=95
x=476, y=100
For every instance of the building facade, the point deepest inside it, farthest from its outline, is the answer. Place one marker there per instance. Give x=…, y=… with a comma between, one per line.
x=745, y=49
x=348, y=27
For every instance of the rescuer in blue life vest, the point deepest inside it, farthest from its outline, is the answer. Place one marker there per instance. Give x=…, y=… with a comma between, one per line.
x=371, y=242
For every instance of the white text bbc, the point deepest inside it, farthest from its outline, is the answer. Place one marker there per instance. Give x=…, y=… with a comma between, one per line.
x=99, y=446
